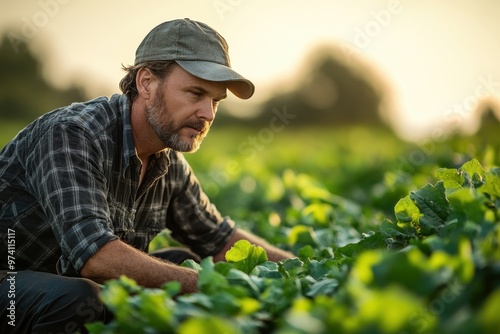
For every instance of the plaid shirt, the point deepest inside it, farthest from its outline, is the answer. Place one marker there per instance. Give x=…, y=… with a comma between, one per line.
x=69, y=183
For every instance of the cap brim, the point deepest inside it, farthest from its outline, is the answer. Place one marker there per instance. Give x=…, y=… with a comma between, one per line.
x=237, y=84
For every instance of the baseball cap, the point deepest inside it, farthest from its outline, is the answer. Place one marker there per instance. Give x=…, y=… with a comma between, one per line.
x=198, y=49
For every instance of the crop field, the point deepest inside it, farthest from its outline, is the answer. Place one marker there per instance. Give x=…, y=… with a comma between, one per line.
x=390, y=237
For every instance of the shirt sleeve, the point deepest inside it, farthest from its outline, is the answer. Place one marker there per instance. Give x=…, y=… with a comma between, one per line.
x=65, y=174
x=191, y=218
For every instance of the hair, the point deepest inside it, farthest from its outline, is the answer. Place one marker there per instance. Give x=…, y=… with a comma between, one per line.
x=160, y=69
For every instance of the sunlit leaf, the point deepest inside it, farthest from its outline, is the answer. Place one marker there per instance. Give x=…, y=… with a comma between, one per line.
x=391, y=230
x=246, y=256
x=492, y=184
x=475, y=171
x=301, y=236
x=406, y=211
x=434, y=206
x=453, y=179
x=320, y=212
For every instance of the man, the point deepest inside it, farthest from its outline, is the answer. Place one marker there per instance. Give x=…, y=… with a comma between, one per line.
x=84, y=188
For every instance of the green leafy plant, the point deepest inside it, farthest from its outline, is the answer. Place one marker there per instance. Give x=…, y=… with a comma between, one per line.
x=432, y=267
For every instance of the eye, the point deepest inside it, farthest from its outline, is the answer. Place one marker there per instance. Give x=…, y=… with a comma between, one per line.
x=197, y=93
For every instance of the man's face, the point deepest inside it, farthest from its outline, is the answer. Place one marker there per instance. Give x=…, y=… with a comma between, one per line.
x=183, y=109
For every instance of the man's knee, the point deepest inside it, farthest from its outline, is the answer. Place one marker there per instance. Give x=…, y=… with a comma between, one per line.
x=82, y=296
x=48, y=303
x=73, y=305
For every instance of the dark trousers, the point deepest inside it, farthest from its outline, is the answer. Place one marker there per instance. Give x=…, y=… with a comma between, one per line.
x=49, y=303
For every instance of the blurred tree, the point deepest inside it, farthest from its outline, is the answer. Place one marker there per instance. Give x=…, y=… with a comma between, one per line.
x=24, y=93
x=489, y=116
x=330, y=91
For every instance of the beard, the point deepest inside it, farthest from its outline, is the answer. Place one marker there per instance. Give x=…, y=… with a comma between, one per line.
x=168, y=132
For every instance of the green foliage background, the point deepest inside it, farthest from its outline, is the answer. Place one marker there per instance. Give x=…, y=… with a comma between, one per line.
x=345, y=200
x=391, y=237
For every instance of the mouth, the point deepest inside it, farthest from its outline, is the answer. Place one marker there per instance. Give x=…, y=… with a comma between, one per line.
x=198, y=128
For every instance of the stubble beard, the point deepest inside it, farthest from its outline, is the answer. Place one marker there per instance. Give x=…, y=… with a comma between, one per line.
x=168, y=132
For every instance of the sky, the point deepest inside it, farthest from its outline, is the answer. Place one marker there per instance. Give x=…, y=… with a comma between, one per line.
x=438, y=58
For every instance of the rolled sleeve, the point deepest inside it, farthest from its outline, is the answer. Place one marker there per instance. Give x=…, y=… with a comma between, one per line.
x=81, y=242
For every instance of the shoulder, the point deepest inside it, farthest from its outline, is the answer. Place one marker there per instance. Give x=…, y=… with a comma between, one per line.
x=96, y=115
x=86, y=121
x=91, y=118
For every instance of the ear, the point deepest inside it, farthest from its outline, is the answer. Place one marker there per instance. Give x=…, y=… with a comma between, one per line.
x=145, y=82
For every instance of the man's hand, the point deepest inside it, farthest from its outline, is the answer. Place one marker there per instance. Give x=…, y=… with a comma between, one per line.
x=116, y=258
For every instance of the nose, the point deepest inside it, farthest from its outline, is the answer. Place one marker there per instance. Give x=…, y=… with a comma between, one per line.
x=207, y=110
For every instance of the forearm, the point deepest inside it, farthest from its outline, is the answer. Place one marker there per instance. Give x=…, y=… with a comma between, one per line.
x=117, y=258
x=273, y=253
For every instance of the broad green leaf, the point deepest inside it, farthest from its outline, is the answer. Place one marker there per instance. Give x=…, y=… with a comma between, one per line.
x=291, y=267
x=225, y=303
x=492, y=184
x=468, y=204
x=279, y=295
x=375, y=241
x=191, y=264
x=319, y=269
x=306, y=252
x=453, y=179
x=194, y=304
x=223, y=267
x=320, y=212
x=155, y=308
x=326, y=286
x=473, y=167
x=116, y=294
x=301, y=236
x=434, y=206
x=172, y=288
x=209, y=280
x=246, y=256
x=267, y=270
x=391, y=230
x=239, y=278
x=406, y=211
